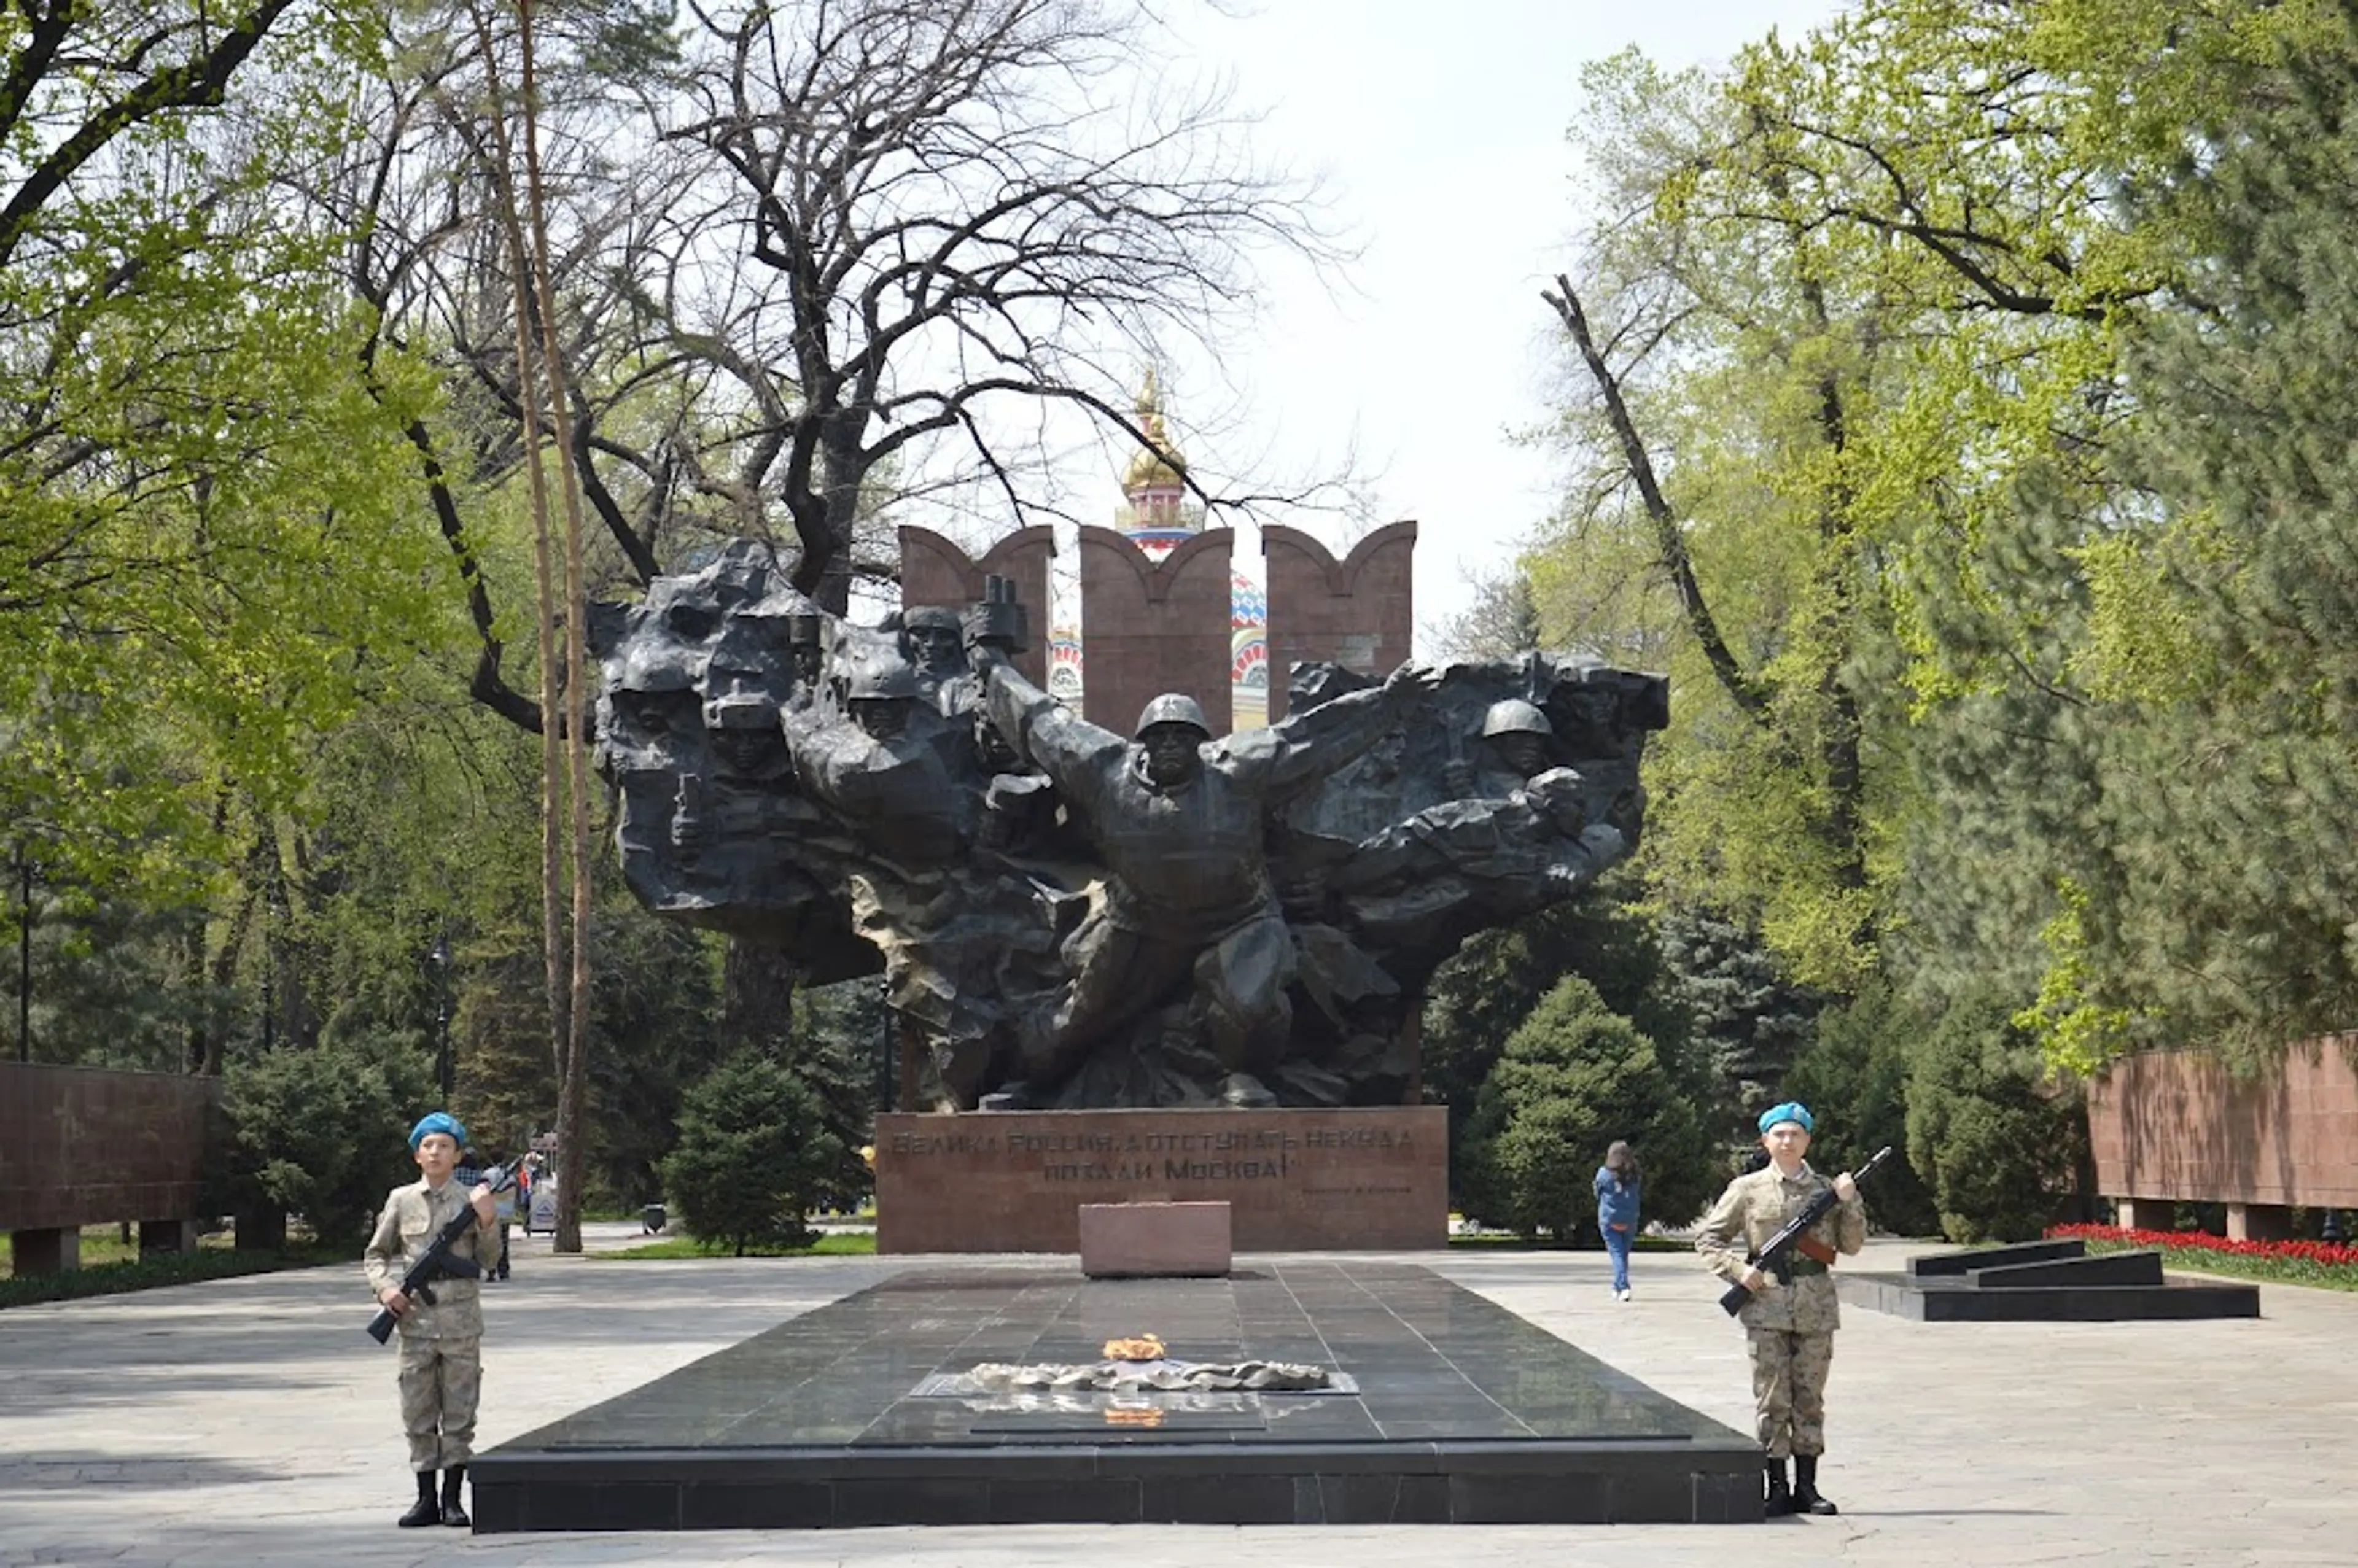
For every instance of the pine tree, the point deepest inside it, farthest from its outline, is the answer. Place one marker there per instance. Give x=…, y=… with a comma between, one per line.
x=1854, y=1075
x=2148, y=823
x=1479, y=999
x=1573, y=1078
x=752, y=1149
x=1750, y=1019
x=2000, y=1142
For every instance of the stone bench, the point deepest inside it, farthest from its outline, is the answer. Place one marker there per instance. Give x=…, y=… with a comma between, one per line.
x=1154, y=1240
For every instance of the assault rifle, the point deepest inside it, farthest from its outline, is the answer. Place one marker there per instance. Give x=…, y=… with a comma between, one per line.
x=1775, y=1255
x=438, y=1262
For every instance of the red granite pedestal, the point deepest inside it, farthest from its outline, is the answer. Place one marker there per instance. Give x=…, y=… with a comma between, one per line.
x=1156, y=1240
x=1295, y=1180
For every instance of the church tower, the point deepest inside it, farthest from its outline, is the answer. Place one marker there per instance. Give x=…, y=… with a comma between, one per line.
x=1154, y=512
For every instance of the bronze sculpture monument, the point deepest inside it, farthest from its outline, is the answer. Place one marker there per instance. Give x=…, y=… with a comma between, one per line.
x=1070, y=917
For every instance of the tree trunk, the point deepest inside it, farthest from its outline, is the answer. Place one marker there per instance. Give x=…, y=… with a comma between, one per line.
x=757, y=998
x=573, y=1081
x=562, y=989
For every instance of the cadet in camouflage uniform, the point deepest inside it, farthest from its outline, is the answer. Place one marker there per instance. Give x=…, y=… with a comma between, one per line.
x=442, y=1341
x=1789, y=1326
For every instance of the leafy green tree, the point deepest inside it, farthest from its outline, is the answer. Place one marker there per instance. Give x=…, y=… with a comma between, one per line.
x=1846, y=301
x=1573, y=1078
x=2142, y=824
x=753, y=1150
x=196, y=534
x=321, y=1132
x=1999, y=1140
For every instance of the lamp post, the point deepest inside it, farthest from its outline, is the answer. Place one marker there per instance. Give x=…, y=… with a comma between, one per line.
x=23, y=953
x=441, y=957
x=2332, y=1230
x=884, y=1063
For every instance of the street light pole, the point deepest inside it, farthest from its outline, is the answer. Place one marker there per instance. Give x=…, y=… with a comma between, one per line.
x=24, y=954
x=441, y=959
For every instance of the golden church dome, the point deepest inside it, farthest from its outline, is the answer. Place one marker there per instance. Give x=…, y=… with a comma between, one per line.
x=1158, y=464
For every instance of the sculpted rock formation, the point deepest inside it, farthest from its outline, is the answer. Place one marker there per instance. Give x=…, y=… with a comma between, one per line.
x=1066, y=916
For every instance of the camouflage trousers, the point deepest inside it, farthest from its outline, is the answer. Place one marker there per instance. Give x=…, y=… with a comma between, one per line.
x=440, y=1381
x=1788, y=1390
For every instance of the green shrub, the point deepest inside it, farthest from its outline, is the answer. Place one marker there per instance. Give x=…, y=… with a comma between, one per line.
x=753, y=1147
x=1573, y=1078
x=322, y=1131
x=1999, y=1141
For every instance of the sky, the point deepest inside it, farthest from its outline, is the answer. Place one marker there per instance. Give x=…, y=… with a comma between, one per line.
x=1440, y=132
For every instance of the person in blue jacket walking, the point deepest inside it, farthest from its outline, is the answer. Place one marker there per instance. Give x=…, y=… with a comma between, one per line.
x=1616, y=1210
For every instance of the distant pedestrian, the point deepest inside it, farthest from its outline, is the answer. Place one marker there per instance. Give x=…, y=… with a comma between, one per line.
x=506, y=1209
x=441, y=1335
x=1616, y=1210
x=1791, y=1320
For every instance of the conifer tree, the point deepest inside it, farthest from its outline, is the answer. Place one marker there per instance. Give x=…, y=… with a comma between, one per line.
x=1573, y=1078
x=2152, y=820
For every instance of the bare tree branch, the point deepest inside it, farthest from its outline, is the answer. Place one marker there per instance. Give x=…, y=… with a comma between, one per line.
x=1670, y=540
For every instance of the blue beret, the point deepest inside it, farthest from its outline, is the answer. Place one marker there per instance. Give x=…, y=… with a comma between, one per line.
x=1792, y=1110
x=438, y=1121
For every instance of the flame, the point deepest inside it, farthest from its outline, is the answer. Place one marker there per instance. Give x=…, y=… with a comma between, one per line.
x=1144, y=1347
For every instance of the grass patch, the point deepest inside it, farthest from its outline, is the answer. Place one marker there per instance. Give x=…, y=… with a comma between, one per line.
x=834, y=1244
x=151, y=1273
x=104, y=1244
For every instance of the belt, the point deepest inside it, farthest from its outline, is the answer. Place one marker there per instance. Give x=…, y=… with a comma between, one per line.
x=1806, y=1268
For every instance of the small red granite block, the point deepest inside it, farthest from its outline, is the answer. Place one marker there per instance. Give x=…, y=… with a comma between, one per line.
x=1138, y=1240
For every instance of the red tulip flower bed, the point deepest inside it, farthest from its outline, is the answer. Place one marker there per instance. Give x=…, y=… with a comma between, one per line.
x=2327, y=1263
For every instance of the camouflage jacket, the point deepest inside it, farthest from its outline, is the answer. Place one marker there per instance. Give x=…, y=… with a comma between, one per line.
x=413, y=1216
x=1754, y=1208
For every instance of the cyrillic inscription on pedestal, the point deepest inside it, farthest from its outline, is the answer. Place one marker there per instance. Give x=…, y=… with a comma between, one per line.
x=1294, y=1179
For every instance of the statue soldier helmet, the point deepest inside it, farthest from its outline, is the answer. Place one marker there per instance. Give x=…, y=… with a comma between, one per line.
x=1513, y=716
x=1172, y=708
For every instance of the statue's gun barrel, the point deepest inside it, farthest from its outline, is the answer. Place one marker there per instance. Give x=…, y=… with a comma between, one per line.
x=1001, y=619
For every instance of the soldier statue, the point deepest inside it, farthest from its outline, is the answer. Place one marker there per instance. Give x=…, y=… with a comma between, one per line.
x=1177, y=818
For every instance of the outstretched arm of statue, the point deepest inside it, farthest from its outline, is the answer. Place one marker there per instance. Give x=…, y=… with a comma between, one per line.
x=1074, y=752
x=1301, y=749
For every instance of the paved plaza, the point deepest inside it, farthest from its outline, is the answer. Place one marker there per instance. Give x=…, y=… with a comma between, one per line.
x=251, y=1422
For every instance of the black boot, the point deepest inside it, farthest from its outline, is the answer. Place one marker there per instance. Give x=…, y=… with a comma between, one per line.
x=452, y=1514
x=1780, y=1495
x=425, y=1510
x=1806, y=1500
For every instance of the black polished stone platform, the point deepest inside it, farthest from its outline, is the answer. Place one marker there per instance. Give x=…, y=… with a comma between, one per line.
x=1465, y=1414
x=2043, y=1281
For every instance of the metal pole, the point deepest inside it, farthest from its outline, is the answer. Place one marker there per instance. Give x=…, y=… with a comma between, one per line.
x=887, y=1070
x=441, y=956
x=24, y=955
